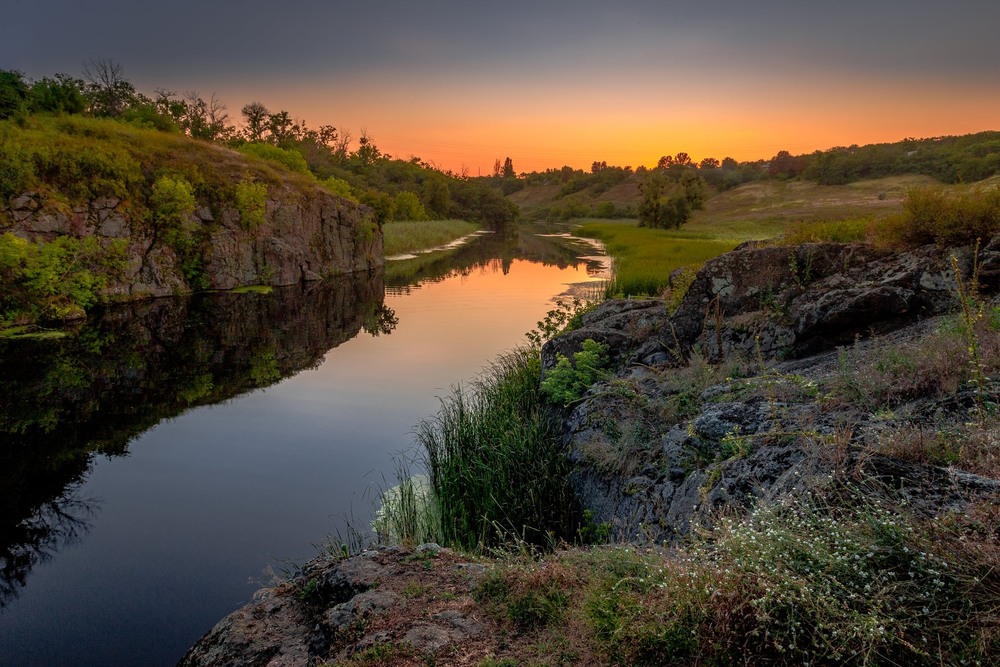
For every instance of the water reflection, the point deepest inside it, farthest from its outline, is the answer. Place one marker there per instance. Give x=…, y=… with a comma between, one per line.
x=496, y=252
x=64, y=401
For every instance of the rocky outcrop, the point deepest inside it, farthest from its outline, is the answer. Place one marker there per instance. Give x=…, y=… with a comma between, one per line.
x=398, y=603
x=307, y=234
x=657, y=449
x=792, y=300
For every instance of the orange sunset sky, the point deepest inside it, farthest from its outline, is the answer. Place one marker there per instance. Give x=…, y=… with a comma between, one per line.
x=553, y=83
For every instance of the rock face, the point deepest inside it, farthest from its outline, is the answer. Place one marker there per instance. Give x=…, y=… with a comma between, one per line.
x=664, y=444
x=305, y=236
x=415, y=603
x=788, y=301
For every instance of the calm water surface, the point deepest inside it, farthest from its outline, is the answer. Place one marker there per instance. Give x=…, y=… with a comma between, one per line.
x=154, y=464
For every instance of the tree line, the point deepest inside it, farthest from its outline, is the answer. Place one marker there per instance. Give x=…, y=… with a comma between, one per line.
x=356, y=169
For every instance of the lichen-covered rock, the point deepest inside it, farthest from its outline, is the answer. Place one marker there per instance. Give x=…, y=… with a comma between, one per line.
x=415, y=602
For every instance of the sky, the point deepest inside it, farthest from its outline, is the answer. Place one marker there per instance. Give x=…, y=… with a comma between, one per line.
x=461, y=84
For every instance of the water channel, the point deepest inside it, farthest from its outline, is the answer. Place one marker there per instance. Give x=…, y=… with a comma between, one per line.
x=156, y=462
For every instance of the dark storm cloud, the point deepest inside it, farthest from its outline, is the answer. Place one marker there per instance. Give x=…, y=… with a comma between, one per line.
x=253, y=40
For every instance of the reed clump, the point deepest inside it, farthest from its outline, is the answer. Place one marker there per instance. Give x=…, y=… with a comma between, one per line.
x=495, y=463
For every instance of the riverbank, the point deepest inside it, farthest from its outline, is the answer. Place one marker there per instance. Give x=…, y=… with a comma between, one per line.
x=802, y=455
x=407, y=237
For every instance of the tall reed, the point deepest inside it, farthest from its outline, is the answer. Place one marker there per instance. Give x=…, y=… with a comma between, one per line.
x=495, y=462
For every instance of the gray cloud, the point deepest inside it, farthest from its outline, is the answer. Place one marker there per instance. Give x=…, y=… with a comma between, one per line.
x=205, y=41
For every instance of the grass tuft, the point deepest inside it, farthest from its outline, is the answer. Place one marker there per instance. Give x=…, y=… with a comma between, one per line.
x=495, y=463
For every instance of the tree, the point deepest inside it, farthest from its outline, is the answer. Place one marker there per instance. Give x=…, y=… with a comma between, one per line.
x=63, y=94
x=408, y=207
x=205, y=120
x=368, y=153
x=436, y=197
x=108, y=91
x=13, y=93
x=666, y=204
x=280, y=126
x=665, y=162
x=709, y=163
x=255, y=115
x=508, y=169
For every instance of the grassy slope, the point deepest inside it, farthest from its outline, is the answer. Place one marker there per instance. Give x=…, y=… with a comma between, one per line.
x=646, y=257
x=72, y=159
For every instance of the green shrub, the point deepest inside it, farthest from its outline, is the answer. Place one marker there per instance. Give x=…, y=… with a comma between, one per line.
x=932, y=216
x=292, y=160
x=251, y=202
x=408, y=207
x=340, y=188
x=496, y=465
x=569, y=381
x=55, y=280
x=171, y=204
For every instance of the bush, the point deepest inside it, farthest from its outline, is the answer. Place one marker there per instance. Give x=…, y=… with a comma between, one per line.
x=292, y=160
x=932, y=216
x=340, y=188
x=251, y=202
x=408, y=207
x=56, y=280
x=568, y=381
x=171, y=204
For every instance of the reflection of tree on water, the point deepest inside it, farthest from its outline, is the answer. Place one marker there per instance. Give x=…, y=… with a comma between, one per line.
x=55, y=523
x=493, y=252
x=64, y=401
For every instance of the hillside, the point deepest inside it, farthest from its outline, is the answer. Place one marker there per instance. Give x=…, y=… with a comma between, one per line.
x=97, y=209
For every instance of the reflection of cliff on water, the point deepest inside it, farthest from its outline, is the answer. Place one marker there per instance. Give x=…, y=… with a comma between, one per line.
x=63, y=401
x=497, y=251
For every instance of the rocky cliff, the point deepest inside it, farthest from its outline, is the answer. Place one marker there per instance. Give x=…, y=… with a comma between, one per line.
x=307, y=234
x=781, y=364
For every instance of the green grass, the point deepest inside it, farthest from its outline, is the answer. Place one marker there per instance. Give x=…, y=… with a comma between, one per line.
x=827, y=580
x=496, y=465
x=645, y=258
x=412, y=236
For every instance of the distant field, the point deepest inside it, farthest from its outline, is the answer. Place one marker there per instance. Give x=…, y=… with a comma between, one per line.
x=645, y=258
x=410, y=236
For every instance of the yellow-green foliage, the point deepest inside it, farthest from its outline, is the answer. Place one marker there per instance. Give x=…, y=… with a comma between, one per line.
x=292, y=160
x=932, y=215
x=53, y=280
x=853, y=230
x=339, y=187
x=569, y=380
x=73, y=159
x=409, y=236
x=251, y=202
x=171, y=204
x=408, y=207
x=645, y=258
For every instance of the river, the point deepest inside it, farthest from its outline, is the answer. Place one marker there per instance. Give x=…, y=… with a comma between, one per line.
x=157, y=462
